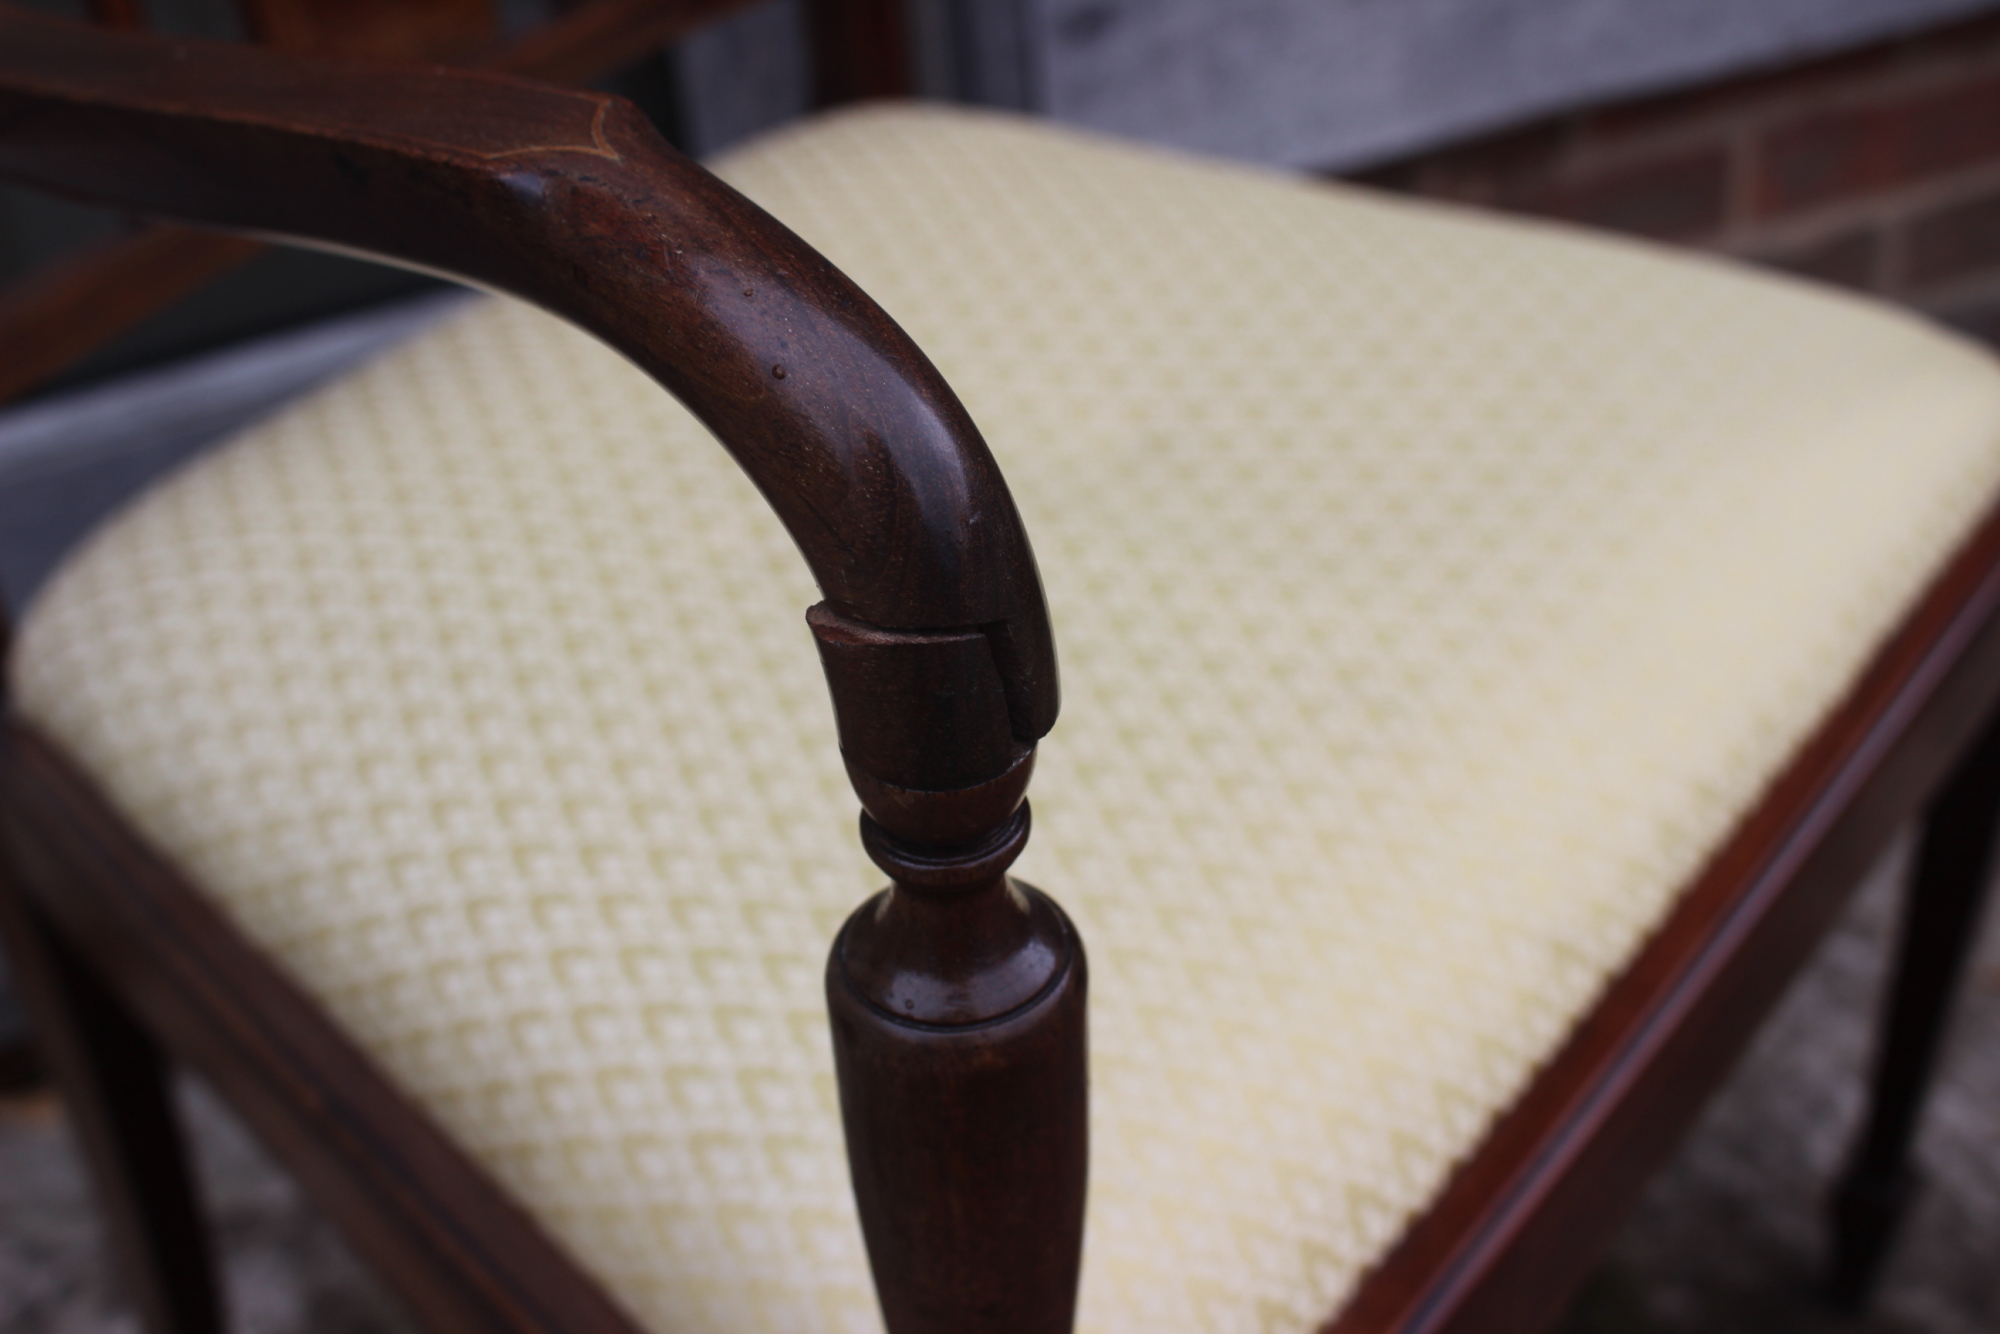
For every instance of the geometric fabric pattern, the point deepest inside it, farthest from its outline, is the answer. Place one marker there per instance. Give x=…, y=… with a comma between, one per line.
x=1432, y=591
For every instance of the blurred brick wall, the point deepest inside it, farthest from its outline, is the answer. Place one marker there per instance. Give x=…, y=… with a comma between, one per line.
x=1878, y=169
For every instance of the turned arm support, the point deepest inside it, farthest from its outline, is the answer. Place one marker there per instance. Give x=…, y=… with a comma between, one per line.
x=938, y=642
x=956, y=995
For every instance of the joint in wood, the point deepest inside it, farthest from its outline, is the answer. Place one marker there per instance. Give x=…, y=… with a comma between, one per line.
x=918, y=710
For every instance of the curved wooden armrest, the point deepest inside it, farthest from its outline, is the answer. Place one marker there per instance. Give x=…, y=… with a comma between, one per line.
x=72, y=305
x=570, y=199
x=956, y=996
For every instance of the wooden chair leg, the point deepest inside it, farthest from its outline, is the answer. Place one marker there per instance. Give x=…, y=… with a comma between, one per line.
x=1940, y=922
x=114, y=1082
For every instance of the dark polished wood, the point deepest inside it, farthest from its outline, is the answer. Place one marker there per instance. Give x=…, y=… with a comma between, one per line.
x=571, y=200
x=872, y=674
x=80, y=301
x=967, y=1121
x=442, y=1234
x=1518, y=1222
x=76, y=303
x=447, y=1239
x=117, y=1086
x=389, y=29
x=860, y=50
x=1522, y=1219
x=957, y=999
x=117, y=13
x=1948, y=887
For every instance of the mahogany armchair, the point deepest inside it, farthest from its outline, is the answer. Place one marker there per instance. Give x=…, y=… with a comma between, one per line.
x=1494, y=652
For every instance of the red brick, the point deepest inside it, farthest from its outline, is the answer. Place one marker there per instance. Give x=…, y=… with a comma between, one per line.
x=1841, y=74
x=1955, y=241
x=1849, y=260
x=1863, y=150
x=1487, y=168
x=1679, y=198
x=1729, y=100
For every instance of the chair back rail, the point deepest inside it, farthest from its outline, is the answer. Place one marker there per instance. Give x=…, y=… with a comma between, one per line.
x=957, y=995
x=83, y=299
x=391, y=29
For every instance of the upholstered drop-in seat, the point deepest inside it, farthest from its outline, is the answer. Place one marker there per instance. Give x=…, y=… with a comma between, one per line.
x=1433, y=593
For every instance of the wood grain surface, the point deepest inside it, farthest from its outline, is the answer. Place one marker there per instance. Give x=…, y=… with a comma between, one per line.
x=80, y=301
x=966, y=1123
x=570, y=199
x=116, y=1085
x=957, y=997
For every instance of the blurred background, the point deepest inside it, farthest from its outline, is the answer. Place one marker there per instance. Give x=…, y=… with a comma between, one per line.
x=1854, y=142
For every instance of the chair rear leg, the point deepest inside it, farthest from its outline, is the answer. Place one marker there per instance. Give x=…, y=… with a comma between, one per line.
x=114, y=1081
x=1940, y=921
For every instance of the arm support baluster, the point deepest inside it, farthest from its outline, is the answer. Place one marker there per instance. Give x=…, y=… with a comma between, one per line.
x=956, y=994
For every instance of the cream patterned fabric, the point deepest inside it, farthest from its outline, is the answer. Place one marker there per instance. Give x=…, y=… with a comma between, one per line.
x=1432, y=592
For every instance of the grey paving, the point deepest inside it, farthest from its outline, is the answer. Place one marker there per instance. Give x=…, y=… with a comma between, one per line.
x=1729, y=1238
x=286, y=1271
